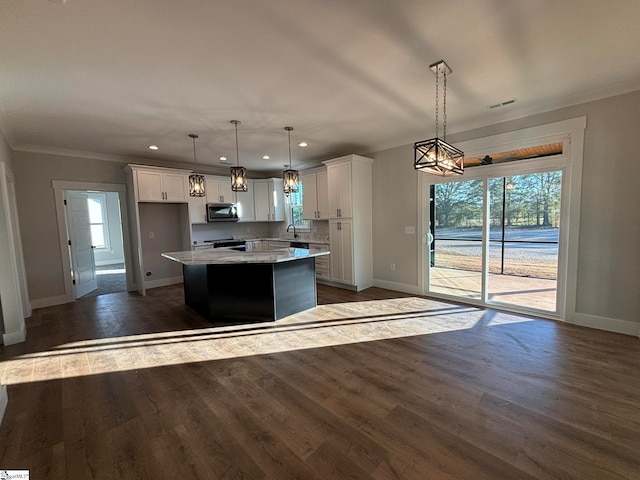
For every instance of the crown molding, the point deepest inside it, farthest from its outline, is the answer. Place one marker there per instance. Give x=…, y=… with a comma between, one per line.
x=123, y=159
x=519, y=112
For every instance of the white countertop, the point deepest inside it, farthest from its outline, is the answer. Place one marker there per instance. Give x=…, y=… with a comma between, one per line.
x=266, y=239
x=224, y=256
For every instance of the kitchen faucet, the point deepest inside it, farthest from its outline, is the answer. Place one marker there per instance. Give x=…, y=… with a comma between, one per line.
x=295, y=235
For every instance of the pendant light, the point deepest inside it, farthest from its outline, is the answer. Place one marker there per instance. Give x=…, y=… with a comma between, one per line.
x=196, y=182
x=238, y=173
x=436, y=155
x=290, y=176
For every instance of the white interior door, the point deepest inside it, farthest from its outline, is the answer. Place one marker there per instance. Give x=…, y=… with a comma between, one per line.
x=83, y=265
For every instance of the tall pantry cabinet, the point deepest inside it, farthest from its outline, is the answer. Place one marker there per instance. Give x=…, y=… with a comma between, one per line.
x=350, y=221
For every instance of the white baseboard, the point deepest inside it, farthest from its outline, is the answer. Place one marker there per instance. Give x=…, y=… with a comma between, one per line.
x=50, y=301
x=12, y=338
x=398, y=287
x=4, y=401
x=604, y=323
x=162, y=282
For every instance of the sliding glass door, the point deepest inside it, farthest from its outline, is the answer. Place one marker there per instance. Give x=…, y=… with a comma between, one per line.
x=456, y=238
x=494, y=240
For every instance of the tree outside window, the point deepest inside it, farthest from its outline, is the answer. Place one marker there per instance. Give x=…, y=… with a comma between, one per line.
x=295, y=209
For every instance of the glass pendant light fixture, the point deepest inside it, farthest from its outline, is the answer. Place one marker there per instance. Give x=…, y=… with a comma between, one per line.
x=238, y=173
x=290, y=176
x=436, y=155
x=196, y=181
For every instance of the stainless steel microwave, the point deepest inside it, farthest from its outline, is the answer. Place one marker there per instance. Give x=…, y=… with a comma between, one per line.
x=222, y=212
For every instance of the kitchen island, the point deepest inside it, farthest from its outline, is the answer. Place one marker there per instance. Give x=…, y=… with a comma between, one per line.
x=228, y=285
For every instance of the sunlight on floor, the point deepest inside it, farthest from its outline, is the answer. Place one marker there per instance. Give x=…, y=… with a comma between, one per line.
x=323, y=326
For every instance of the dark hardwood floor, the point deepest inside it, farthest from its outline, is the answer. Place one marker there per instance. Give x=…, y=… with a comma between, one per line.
x=498, y=397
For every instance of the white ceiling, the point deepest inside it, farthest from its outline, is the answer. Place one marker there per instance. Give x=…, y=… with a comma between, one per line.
x=111, y=77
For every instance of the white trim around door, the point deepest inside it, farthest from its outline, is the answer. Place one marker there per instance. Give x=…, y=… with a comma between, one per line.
x=59, y=187
x=571, y=134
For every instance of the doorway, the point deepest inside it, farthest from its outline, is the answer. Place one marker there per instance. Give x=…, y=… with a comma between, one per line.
x=505, y=234
x=92, y=221
x=507, y=257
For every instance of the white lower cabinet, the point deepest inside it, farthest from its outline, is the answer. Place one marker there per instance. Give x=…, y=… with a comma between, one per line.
x=342, y=266
x=255, y=245
x=323, y=267
x=278, y=244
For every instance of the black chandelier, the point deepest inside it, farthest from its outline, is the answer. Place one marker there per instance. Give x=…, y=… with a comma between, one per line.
x=436, y=155
x=238, y=173
x=290, y=177
x=196, y=181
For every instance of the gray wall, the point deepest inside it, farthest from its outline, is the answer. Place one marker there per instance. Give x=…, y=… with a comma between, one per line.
x=36, y=208
x=608, y=257
x=609, y=253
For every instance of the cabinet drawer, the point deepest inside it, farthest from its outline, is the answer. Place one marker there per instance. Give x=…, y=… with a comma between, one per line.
x=322, y=262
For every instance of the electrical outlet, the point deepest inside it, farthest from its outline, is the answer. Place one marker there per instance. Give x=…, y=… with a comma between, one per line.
x=152, y=235
x=410, y=230
x=393, y=266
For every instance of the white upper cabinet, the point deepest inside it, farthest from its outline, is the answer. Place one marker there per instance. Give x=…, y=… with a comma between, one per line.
x=160, y=185
x=340, y=188
x=218, y=189
x=268, y=200
x=197, y=209
x=245, y=204
x=315, y=195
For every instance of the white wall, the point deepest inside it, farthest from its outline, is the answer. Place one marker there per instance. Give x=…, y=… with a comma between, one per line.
x=12, y=286
x=608, y=256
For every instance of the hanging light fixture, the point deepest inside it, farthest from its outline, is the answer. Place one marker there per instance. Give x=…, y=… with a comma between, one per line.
x=196, y=181
x=290, y=176
x=238, y=173
x=436, y=155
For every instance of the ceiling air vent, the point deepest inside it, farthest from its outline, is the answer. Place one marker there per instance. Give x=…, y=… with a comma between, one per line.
x=502, y=104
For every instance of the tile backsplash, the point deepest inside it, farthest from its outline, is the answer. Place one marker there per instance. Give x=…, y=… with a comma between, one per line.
x=319, y=230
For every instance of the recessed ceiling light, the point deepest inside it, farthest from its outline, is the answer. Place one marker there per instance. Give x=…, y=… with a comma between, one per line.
x=303, y=144
x=266, y=157
x=152, y=147
x=223, y=159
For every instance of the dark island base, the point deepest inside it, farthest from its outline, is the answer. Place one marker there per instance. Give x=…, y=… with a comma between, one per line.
x=250, y=292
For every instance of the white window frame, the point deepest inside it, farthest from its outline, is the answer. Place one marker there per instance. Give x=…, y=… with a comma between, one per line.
x=571, y=134
x=101, y=197
x=289, y=213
